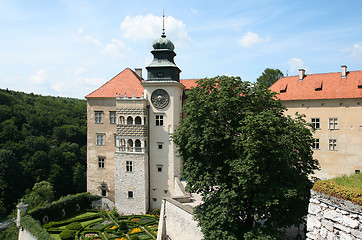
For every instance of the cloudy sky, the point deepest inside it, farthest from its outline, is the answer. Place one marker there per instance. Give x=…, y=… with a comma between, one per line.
x=71, y=47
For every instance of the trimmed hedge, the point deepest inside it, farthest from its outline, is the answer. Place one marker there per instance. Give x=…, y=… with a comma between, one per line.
x=67, y=234
x=331, y=188
x=34, y=228
x=71, y=204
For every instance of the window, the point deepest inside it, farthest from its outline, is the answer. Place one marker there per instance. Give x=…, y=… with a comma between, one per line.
x=159, y=120
x=165, y=191
x=333, y=123
x=159, y=168
x=129, y=166
x=130, y=194
x=332, y=146
x=98, y=117
x=137, y=145
x=316, y=123
x=315, y=144
x=357, y=171
x=112, y=117
x=160, y=75
x=104, y=193
x=101, y=162
x=100, y=139
x=121, y=120
x=138, y=120
x=154, y=199
x=159, y=144
x=129, y=120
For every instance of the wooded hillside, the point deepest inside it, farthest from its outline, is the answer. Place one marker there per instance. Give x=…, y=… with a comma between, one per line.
x=41, y=138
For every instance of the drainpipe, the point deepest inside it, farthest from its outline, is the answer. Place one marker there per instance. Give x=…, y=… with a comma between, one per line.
x=148, y=156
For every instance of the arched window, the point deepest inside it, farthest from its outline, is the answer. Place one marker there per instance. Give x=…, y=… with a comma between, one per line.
x=138, y=120
x=129, y=120
x=123, y=145
x=138, y=146
x=130, y=145
x=121, y=120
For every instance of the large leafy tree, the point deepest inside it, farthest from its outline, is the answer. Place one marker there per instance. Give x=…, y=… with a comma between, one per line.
x=247, y=159
x=269, y=76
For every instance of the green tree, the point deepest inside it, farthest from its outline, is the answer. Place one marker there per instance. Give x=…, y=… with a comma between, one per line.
x=269, y=76
x=247, y=159
x=42, y=193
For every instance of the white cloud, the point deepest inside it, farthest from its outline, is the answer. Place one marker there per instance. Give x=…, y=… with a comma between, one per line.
x=249, y=39
x=39, y=78
x=194, y=11
x=77, y=71
x=59, y=87
x=295, y=64
x=149, y=27
x=115, y=48
x=94, y=81
x=355, y=51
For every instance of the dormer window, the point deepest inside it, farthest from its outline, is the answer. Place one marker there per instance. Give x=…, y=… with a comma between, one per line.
x=318, y=86
x=160, y=75
x=283, y=88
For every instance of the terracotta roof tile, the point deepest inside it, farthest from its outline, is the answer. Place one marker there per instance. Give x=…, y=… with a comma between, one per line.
x=189, y=83
x=319, y=86
x=126, y=82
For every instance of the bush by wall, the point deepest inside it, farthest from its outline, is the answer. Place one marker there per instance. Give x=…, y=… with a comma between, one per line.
x=331, y=188
x=34, y=228
x=64, y=207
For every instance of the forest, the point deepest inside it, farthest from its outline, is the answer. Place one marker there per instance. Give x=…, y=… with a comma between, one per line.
x=42, y=138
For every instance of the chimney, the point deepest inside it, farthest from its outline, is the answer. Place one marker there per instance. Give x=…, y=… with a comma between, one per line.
x=138, y=72
x=344, y=71
x=301, y=74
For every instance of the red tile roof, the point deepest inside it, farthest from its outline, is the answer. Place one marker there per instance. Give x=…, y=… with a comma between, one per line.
x=126, y=82
x=189, y=83
x=129, y=83
x=319, y=86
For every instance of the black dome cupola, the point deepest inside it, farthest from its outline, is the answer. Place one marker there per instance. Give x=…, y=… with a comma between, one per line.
x=163, y=67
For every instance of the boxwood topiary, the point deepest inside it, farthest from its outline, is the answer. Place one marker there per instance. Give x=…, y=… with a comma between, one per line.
x=134, y=237
x=123, y=225
x=67, y=234
x=74, y=226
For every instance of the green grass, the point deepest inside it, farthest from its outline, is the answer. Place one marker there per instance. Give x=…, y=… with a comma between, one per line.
x=91, y=221
x=353, y=182
x=55, y=236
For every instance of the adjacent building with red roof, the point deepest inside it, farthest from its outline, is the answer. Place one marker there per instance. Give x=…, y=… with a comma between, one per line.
x=332, y=103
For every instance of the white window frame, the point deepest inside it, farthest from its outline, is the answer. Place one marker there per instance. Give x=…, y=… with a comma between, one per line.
x=100, y=139
x=159, y=119
x=112, y=117
x=332, y=144
x=314, y=122
x=129, y=166
x=101, y=162
x=316, y=143
x=333, y=124
x=98, y=117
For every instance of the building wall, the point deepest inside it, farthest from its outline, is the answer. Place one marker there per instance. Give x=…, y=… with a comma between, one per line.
x=96, y=175
x=348, y=156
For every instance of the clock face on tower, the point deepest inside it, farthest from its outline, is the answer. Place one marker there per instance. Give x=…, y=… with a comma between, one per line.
x=160, y=98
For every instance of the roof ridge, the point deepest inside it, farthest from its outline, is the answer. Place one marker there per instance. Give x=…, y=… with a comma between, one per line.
x=308, y=74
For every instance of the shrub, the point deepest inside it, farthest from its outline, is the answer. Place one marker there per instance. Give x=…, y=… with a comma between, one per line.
x=134, y=237
x=74, y=226
x=67, y=234
x=50, y=225
x=331, y=188
x=123, y=225
x=34, y=228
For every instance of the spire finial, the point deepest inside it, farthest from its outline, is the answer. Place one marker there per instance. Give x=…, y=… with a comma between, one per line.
x=163, y=25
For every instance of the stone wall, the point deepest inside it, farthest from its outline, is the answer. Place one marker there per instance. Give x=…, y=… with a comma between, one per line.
x=333, y=218
x=25, y=235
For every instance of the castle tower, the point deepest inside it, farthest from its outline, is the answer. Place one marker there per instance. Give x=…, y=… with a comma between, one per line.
x=164, y=92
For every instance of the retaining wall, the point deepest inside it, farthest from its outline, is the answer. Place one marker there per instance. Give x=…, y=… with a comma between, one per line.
x=333, y=218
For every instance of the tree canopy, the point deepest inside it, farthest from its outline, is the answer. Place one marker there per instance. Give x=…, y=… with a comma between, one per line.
x=247, y=159
x=42, y=138
x=269, y=76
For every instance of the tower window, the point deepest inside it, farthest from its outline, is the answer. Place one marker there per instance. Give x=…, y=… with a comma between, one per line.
x=160, y=145
x=130, y=194
x=159, y=168
x=104, y=193
x=101, y=161
x=129, y=166
x=159, y=120
x=160, y=75
x=138, y=120
x=98, y=117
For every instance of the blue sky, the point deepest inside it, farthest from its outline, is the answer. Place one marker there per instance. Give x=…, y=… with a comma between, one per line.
x=71, y=47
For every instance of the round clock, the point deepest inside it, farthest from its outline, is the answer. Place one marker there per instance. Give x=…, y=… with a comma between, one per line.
x=160, y=98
